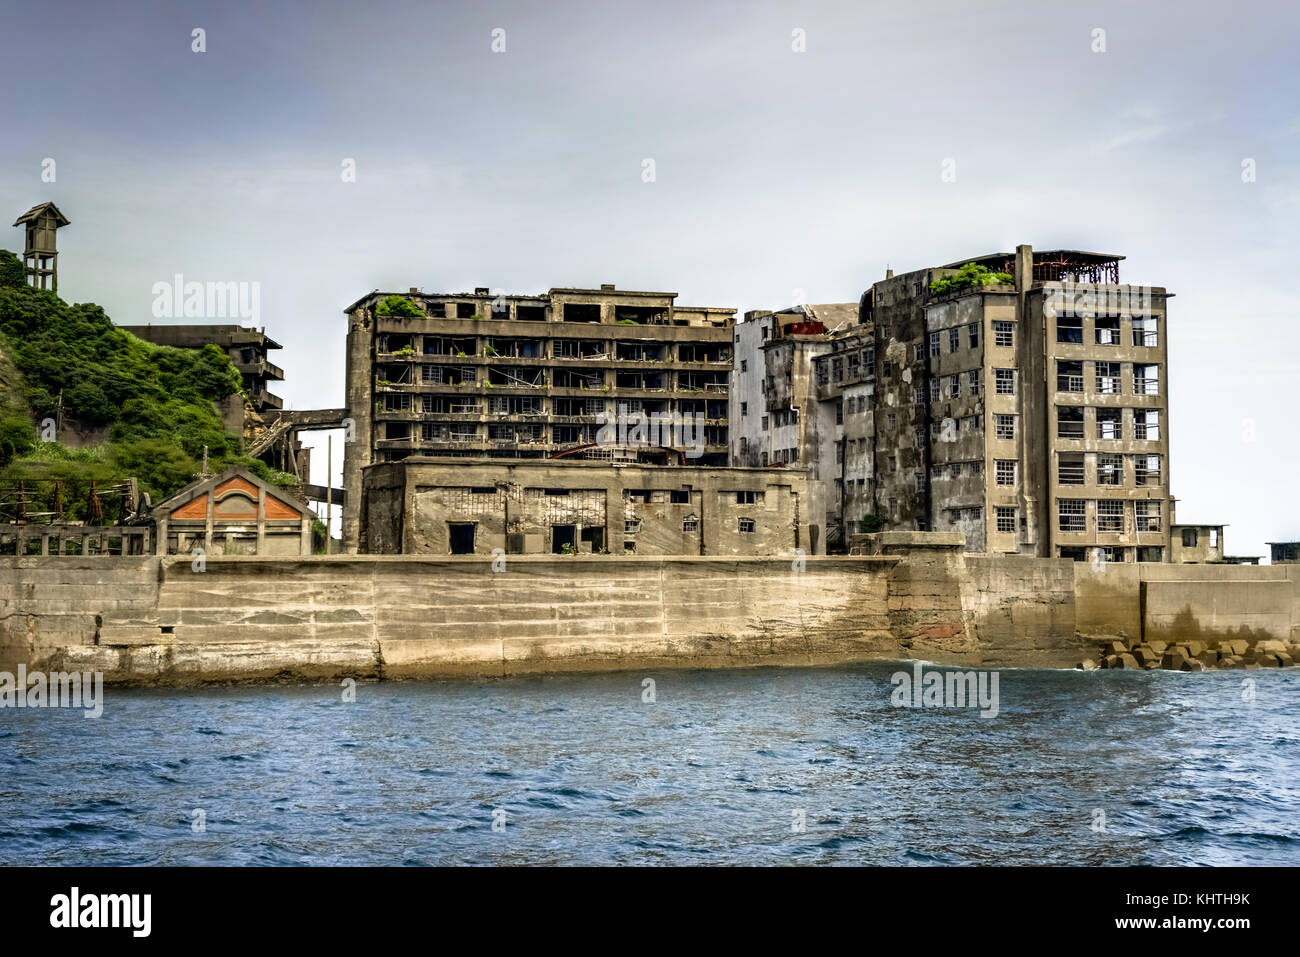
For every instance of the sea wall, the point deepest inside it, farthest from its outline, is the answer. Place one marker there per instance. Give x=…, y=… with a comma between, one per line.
x=166, y=620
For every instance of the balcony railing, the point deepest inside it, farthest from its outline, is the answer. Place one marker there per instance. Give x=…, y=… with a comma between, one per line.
x=1108, y=385
x=1070, y=474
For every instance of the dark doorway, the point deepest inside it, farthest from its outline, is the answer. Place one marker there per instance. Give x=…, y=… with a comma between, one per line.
x=462, y=537
x=596, y=536
x=562, y=535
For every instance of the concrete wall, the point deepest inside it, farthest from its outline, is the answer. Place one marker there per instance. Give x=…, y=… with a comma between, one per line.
x=159, y=620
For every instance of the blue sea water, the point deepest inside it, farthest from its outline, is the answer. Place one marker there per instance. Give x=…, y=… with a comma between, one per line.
x=1111, y=767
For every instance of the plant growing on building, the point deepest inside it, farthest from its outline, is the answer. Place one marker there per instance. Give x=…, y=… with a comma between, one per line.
x=404, y=351
x=870, y=524
x=397, y=306
x=567, y=549
x=971, y=275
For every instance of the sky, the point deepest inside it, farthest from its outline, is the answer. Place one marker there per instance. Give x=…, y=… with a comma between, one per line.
x=798, y=150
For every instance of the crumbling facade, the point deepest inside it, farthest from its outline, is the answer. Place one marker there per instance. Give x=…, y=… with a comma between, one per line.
x=528, y=377
x=440, y=506
x=1031, y=415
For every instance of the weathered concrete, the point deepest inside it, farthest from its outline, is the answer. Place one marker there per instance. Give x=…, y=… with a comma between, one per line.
x=913, y=595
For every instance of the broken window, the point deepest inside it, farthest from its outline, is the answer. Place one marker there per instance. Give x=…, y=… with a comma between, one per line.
x=1144, y=331
x=1150, y=553
x=822, y=373
x=1069, y=421
x=1004, y=426
x=837, y=369
x=1110, y=469
x=530, y=313
x=1072, y=514
x=581, y=312
x=1146, y=424
x=690, y=524
x=745, y=498
x=1189, y=538
x=1147, y=516
x=1069, y=375
x=954, y=339
x=1107, y=330
x=1004, y=333
x=1146, y=469
x=1005, y=381
x=745, y=525
x=973, y=381
x=1005, y=471
x=1070, y=468
x=1146, y=379
x=400, y=402
x=954, y=387
x=1108, y=378
x=1110, y=424
x=973, y=333
x=1069, y=329
x=1110, y=515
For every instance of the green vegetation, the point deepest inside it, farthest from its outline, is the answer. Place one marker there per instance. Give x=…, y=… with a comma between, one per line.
x=153, y=404
x=404, y=351
x=397, y=306
x=971, y=275
x=870, y=524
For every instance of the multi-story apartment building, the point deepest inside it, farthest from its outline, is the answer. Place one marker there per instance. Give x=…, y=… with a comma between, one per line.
x=777, y=417
x=1029, y=414
x=475, y=374
x=1046, y=406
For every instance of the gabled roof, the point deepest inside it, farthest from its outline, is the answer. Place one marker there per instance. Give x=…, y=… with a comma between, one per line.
x=199, y=488
x=36, y=211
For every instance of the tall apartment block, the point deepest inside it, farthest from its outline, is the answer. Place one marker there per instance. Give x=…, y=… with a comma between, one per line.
x=1030, y=415
x=474, y=375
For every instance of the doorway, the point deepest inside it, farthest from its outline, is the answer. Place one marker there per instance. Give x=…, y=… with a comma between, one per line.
x=462, y=537
x=562, y=535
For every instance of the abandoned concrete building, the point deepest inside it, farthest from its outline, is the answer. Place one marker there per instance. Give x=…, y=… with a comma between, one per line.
x=247, y=348
x=1284, y=553
x=426, y=505
x=778, y=417
x=527, y=377
x=1031, y=416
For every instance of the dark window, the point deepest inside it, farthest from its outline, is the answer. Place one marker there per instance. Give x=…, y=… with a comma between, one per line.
x=462, y=537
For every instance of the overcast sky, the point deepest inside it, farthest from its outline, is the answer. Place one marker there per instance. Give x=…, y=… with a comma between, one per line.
x=778, y=175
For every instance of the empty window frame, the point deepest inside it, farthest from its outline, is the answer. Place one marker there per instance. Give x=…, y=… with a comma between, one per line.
x=1069, y=329
x=1144, y=331
x=1147, y=516
x=1072, y=514
x=1005, y=381
x=1110, y=424
x=1069, y=375
x=1108, y=381
x=1070, y=468
x=1146, y=379
x=1146, y=424
x=1110, y=469
x=1069, y=421
x=1146, y=470
x=1005, y=471
x=1106, y=332
x=1189, y=538
x=973, y=381
x=746, y=498
x=1004, y=426
x=973, y=334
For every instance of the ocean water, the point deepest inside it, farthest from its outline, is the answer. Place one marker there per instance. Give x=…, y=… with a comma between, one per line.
x=763, y=766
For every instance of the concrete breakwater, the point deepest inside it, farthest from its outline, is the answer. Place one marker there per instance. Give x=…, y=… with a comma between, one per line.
x=157, y=620
x=1229, y=654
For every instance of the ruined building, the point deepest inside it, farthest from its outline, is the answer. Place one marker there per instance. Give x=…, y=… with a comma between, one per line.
x=438, y=506
x=474, y=375
x=1029, y=414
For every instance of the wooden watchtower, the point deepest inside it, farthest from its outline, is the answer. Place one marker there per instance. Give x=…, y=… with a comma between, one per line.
x=40, y=256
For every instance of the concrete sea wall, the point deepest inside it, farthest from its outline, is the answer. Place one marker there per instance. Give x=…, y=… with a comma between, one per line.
x=158, y=620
